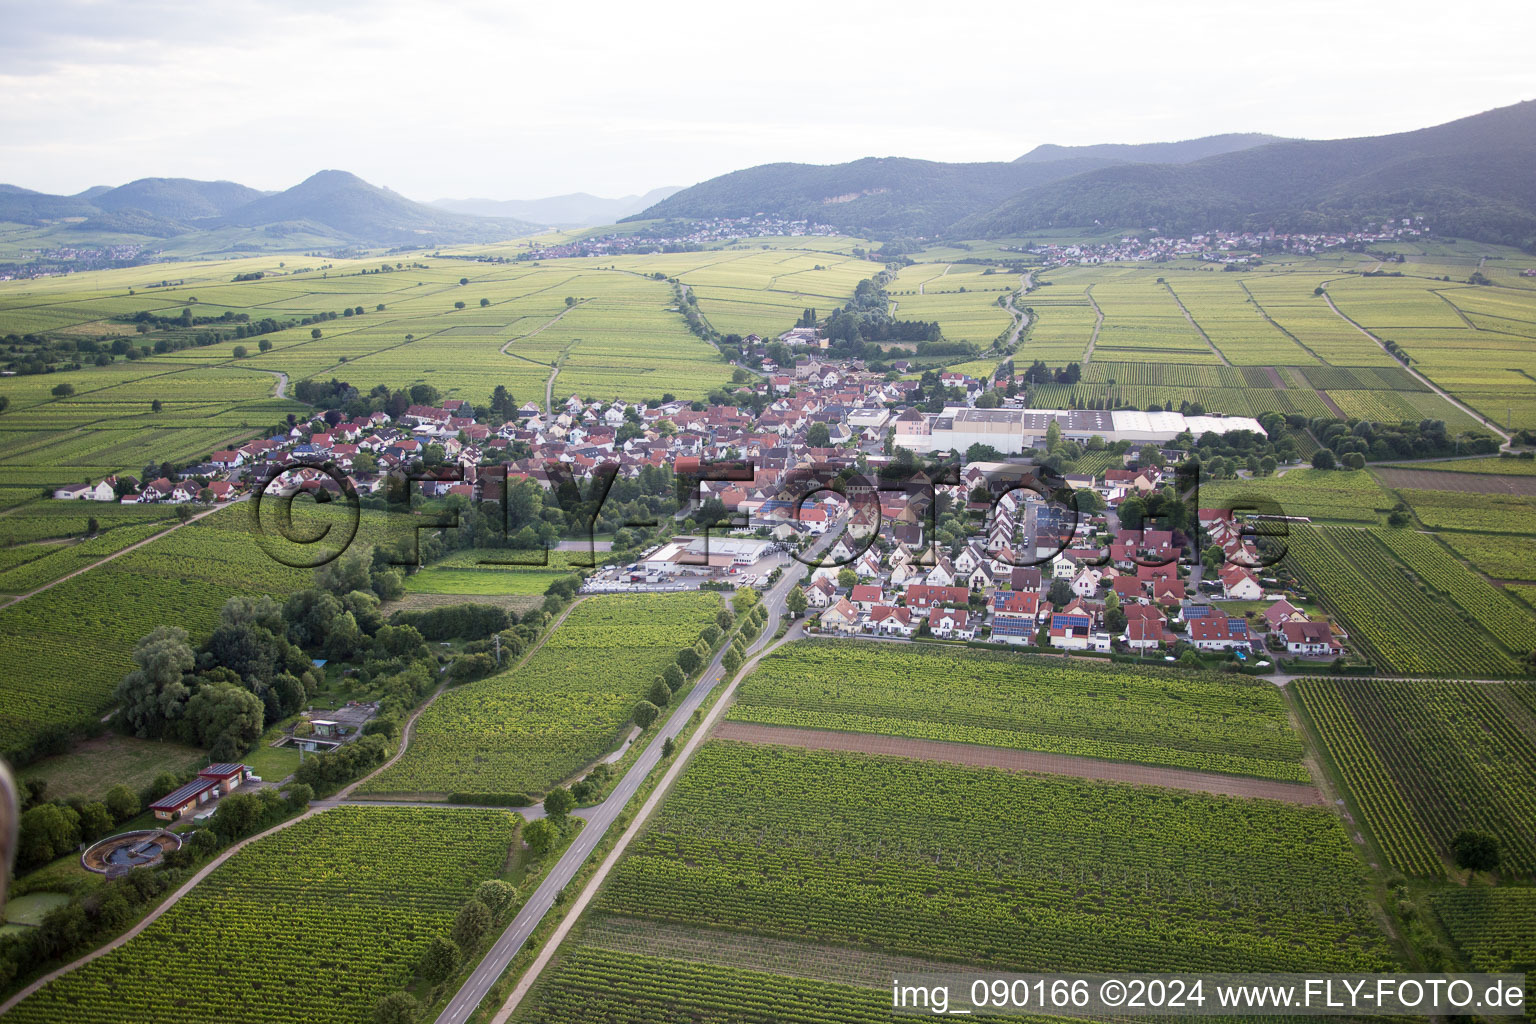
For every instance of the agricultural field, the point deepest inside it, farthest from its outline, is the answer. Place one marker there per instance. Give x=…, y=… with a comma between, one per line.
x=1441, y=572
x=46, y=540
x=326, y=915
x=962, y=298
x=992, y=868
x=1496, y=466
x=1338, y=495
x=1494, y=929
x=1480, y=513
x=468, y=572
x=1393, y=617
x=527, y=729
x=1233, y=322
x=1426, y=759
x=77, y=637
x=1481, y=361
x=1024, y=703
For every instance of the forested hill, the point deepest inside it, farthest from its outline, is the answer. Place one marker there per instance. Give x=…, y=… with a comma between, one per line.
x=329, y=207
x=877, y=195
x=1471, y=177
x=1153, y=152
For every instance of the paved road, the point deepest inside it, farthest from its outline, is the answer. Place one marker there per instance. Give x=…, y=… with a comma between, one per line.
x=601, y=817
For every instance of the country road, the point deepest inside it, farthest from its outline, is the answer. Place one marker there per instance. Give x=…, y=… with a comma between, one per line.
x=560, y=875
x=549, y=385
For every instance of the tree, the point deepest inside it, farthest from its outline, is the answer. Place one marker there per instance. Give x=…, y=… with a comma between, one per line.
x=847, y=578
x=796, y=602
x=396, y=1008
x=265, y=344
x=439, y=960
x=688, y=660
x=46, y=832
x=1267, y=466
x=668, y=747
x=673, y=674
x=1323, y=459
x=1354, y=460
x=539, y=836
x=316, y=334
x=471, y=924
x=1475, y=851
x=1053, y=437
x=1060, y=595
x=95, y=821
x=63, y=390
x=484, y=303
x=819, y=436
x=156, y=405
x=463, y=280
x=225, y=718
x=240, y=352
x=659, y=694
x=559, y=802
x=496, y=894
x=154, y=694
x=459, y=304
x=122, y=802
x=645, y=713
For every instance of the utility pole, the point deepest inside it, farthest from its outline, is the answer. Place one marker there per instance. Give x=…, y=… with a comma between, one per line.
x=498, y=650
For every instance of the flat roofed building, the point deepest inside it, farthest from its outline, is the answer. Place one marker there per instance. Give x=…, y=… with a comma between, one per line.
x=1016, y=430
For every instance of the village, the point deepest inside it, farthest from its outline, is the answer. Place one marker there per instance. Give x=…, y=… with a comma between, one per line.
x=1018, y=569
x=1231, y=248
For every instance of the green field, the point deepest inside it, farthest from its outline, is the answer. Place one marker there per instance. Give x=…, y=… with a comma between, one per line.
x=991, y=868
x=1427, y=759
x=1025, y=703
x=308, y=926
x=76, y=638
x=1419, y=612
x=529, y=728
x=1318, y=494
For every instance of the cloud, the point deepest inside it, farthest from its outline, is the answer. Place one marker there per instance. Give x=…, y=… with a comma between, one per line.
x=510, y=100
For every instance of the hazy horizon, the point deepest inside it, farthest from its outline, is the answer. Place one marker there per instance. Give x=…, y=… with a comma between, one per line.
x=481, y=101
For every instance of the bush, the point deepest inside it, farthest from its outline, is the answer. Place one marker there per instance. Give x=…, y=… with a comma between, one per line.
x=440, y=960
x=471, y=924
x=492, y=799
x=396, y=1008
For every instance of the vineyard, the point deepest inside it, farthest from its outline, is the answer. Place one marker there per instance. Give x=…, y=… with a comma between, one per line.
x=606, y=987
x=1495, y=929
x=1483, y=513
x=1427, y=759
x=1390, y=615
x=1499, y=555
x=1510, y=624
x=992, y=868
x=76, y=638
x=527, y=729
x=1315, y=493
x=307, y=926
x=1082, y=708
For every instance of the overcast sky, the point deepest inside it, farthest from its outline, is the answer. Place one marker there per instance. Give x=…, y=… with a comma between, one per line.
x=512, y=100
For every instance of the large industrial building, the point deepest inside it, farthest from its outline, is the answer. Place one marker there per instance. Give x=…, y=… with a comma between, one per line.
x=1012, y=431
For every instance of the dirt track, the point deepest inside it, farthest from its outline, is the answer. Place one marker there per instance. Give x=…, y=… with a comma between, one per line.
x=1467, y=483
x=1021, y=761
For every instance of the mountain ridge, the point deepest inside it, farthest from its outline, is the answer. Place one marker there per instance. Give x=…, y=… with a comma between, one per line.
x=328, y=207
